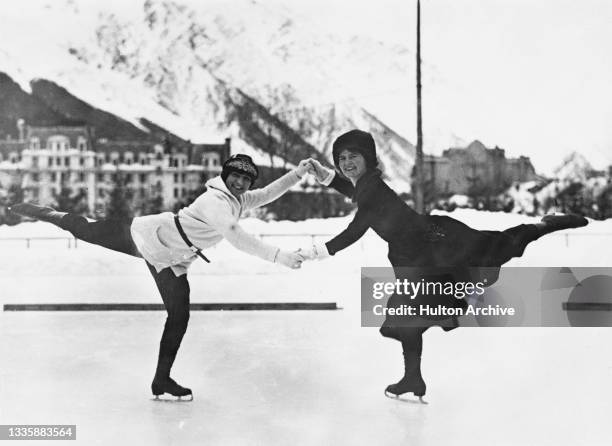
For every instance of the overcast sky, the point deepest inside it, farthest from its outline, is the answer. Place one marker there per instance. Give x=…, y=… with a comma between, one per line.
x=532, y=76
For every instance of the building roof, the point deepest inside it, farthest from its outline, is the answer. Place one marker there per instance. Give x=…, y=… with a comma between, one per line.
x=198, y=150
x=136, y=147
x=71, y=132
x=6, y=147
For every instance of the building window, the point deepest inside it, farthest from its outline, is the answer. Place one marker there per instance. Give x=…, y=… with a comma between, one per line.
x=176, y=177
x=176, y=192
x=183, y=192
x=53, y=177
x=50, y=162
x=67, y=161
x=101, y=193
x=34, y=177
x=143, y=178
x=81, y=177
x=58, y=142
x=128, y=178
x=58, y=161
x=183, y=177
x=100, y=177
x=81, y=161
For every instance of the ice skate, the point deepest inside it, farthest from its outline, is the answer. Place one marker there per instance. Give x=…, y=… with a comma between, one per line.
x=43, y=213
x=412, y=382
x=551, y=223
x=169, y=390
x=407, y=385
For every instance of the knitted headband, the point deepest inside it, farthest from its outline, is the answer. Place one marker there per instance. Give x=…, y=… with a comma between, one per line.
x=240, y=163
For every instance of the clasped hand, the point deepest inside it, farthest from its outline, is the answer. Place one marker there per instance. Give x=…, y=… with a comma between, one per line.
x=295, y=259
x=313, y=167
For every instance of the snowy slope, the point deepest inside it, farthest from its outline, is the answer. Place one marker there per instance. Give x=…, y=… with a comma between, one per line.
x=188, y=68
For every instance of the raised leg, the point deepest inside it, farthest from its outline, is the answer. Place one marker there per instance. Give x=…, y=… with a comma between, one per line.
x=111, y=233
x=520, y=236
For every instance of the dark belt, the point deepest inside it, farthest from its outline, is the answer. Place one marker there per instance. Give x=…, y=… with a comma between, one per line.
x=193, y=247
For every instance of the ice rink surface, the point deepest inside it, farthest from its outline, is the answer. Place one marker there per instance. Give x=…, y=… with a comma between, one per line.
x=287, y=377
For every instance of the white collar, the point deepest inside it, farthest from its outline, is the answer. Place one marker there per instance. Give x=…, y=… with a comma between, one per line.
x=218, y=184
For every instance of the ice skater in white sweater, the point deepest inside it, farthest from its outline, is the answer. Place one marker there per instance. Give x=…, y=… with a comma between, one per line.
x=170, y=243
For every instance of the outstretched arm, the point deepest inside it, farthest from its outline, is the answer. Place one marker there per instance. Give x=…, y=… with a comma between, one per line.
x=329, y=177
x=246, y=242
x=354, y=231
x=221, y=219
x=259, y=197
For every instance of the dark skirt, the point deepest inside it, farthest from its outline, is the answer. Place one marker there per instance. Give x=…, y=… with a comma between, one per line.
x=449, y=251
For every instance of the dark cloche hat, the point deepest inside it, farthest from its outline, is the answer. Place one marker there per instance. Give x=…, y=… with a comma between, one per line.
x=358, y=141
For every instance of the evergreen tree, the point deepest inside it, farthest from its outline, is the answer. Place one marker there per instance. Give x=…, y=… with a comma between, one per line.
x=153, y=205
x=120, y=197
x=13, y=195
x=65, y=201
x=191, y=196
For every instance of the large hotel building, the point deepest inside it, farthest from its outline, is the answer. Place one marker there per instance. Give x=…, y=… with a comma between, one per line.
x=46, y=159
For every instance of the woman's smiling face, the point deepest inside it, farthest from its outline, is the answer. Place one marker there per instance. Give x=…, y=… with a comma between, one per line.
x=352, y=164
x=237, y=183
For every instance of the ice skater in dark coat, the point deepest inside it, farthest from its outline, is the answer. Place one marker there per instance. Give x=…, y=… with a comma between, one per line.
x=425, y=243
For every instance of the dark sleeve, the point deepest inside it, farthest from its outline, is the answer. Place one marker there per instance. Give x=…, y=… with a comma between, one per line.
x=342, y=185
x=353, y=232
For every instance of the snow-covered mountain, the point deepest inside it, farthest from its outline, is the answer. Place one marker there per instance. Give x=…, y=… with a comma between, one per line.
x=575, y=167
x=211, y=69
x=573, y=171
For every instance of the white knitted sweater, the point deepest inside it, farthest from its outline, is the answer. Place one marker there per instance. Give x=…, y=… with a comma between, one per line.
x=211, y=217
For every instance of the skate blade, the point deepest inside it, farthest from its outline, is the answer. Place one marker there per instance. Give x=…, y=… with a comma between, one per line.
x=405, y=399
x=167, y=398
